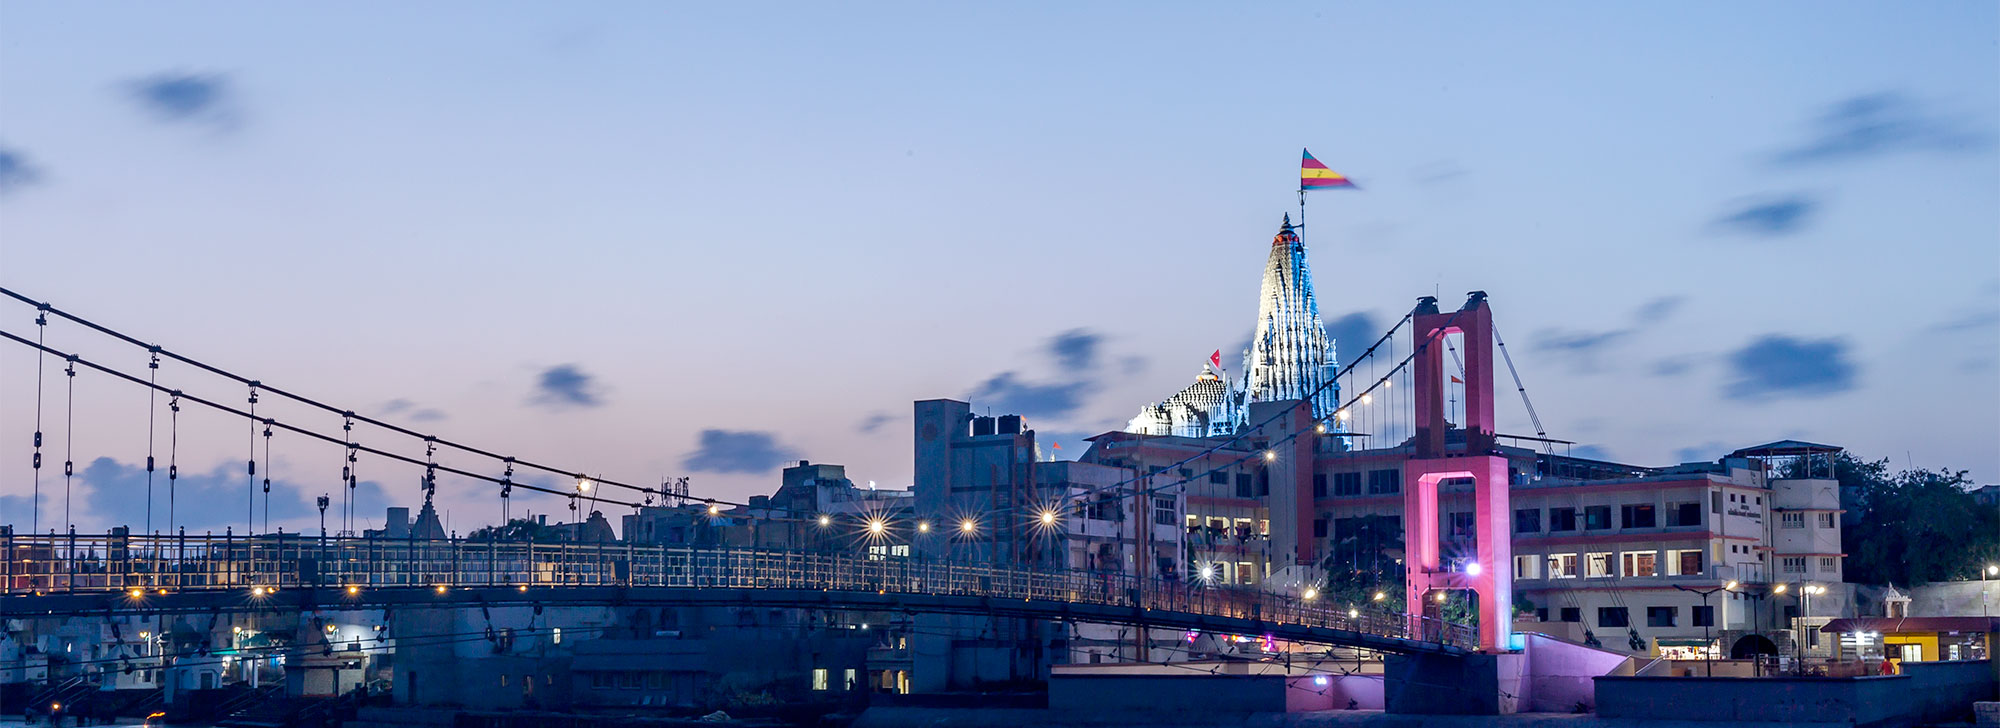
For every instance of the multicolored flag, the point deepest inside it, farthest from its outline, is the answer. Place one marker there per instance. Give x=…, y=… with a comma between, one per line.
x=1215, y=359
x=1313, y=175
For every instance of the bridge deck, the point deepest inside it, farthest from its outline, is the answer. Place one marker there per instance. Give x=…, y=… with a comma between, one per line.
x=94, y=574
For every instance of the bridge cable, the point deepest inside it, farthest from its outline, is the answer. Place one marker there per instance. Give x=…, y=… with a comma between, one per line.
x=173, y=453
x=300, y=398
x=250, y=466
x=1532, y=417
x=267, y=475
x=347, y=476
x=69, y=444
x=152, y=419
x=41, y=332
x=292, y=428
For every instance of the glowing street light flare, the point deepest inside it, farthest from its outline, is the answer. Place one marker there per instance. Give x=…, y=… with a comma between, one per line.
x=968, y=526
x=714, y=510
x=1440, y=597
x=353, y=590
x=582, y=485
x=1341, y=415
x=1367, y=398
x=875, y=526
x=1779, y=589
x=440, y=589
x=1731, y=586
x=1207, y=572
x=923, y=527
x=1310, y=594
x=1472, y=568
x=1379, y=596
x=1270, y=455
x=1353, y=613
x=1048, y=518
x=1321, y=428
x=136, y=593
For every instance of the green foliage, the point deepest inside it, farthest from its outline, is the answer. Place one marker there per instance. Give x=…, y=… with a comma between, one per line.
x=516, y=531
x=1915, y=527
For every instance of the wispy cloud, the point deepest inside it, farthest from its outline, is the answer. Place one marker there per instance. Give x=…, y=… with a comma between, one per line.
x=16, y=172
x=1008, y=392
x=1777, y=366
x=874, y=422
x=111, y=492
x=728, y=451
x=1768, y=216
x=1075, y=351
x=1879, y=124
x=187, y=98
x=1353, y=333
x=564, y=386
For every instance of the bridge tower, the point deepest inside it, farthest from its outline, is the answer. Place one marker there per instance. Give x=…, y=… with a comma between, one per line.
x=1488, y=573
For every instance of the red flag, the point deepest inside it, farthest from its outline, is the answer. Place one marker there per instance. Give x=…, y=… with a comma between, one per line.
x=1456, y=380
x=1055, y=445
x=1215, y=359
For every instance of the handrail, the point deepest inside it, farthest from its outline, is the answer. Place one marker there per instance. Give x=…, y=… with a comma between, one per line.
x=38, y=564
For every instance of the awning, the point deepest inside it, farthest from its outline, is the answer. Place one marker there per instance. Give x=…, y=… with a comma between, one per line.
x=1896, y=625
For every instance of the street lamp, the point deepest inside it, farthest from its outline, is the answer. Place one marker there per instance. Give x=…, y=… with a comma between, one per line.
x=324, y=501
x=1707, y=642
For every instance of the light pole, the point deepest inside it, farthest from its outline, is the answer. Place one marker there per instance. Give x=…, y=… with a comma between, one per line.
x=324, y=501
x=1806, y=592
x=1708, y=643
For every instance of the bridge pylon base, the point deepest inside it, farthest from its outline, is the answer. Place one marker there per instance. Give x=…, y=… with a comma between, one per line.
x=1476, y=684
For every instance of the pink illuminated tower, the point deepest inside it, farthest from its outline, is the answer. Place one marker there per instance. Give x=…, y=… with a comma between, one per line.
x=1488, y=574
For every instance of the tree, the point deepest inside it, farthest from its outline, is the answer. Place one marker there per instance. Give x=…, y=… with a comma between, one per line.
x=516, y=531
x=1915, y=527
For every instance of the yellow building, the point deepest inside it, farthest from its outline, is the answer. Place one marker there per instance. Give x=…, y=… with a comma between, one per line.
x=1913, y=639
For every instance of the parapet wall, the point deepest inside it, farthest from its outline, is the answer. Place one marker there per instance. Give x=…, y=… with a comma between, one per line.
x=1926, y=692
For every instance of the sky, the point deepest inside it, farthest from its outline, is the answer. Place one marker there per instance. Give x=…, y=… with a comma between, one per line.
x=660, y=240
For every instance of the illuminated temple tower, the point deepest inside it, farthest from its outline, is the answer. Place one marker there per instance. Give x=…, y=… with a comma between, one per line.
x=1289, y=357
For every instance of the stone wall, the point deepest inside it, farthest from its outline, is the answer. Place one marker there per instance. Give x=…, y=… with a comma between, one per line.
x=1924, y=693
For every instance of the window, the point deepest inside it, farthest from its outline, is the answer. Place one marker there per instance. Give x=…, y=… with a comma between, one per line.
x=1639, y=563
x=1562, y=566
x=1527, y=520
x=1218, y=478
x=1704, y=616
x=1319, y=528
x=503, y=679
x=1684, y=562
x=819, y=678
x=1246, y=486
x=1596, y=518
x=1613, y=617
x=556, y=636
x=1347, y=484
x=1381, y=482
x=1661, y=616
x=1562, y=519
x=1572, y=614
x=1792, y=519
x=1319, y=485
x=1597, y=565
x=1263, y=527
x=1684, y=514
x=1793, y=564
x=1828, y=564
x=1826, y=520
x=1246, y=572
x=1637, y=515
x=1715, y=501
x=1163, y=511
x=849, y=675
x=1527, y=567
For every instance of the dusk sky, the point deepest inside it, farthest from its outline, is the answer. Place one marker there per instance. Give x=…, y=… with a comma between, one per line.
x=653, y=239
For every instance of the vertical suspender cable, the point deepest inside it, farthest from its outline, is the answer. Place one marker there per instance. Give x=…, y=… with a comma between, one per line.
x=41, y=333
x=69, y=444
x=250, y=466
x=173, y=454
x=267, y=476
x=152, y=408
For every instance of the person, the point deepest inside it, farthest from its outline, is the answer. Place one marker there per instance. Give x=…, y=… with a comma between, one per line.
x=1888, y=667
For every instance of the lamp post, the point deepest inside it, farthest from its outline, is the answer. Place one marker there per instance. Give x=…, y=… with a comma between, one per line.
x=324, y=501
x=1708, y=643
x=1806, y=592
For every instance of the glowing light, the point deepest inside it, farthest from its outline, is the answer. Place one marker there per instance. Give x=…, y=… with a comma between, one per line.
x=1353, y=613
x=1321, y=428
x=257, y=591
x=1379, y=596
x=136, y=593
x=522, y=587
x=1779, y=589
x=236, y=630
x=876, y=526
x=1992, y=569
x=582, y=485
x=145, y=635
x=923, y=527
x=1270, y=455
x=1319, y=680
x=826, y=520
x=1472, y=568
x=330, y=629
x=440, y=588
x=353, y=590
x=1048, y=518
x=1341, y=415
x=1731, y=586
x=1387, y=383
x=1440, y=597
x=1207, y=572
x=714, y=510
x=968, y=526
x=1367, y=398
x=1310, y=594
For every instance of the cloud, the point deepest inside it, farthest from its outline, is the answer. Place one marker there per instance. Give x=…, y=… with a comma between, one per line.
x=1878, y=124
x=1969, y=322
x=1776, y=366
x=726, y=451
x=186, y=98
x=15, y=171
x=396, y=405
x=113, y=493
x=1007, y=392
x=1591, y=452
x=1658, y=309
x=1672, y=366
x=874, y=422
x=1075, y=351
x=1768, y=216
x=416, y=414
x=427, y=414
x=564, y=386
x=1706, y=452
x=1131, y=365
x=1354, y=332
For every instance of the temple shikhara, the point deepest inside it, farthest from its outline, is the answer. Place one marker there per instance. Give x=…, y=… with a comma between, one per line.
x=1290, y=357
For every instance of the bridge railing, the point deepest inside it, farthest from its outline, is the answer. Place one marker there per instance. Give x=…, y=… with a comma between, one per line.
x=83, y=563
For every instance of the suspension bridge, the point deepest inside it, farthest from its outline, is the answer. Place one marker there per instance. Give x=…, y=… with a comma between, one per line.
x=67, y=573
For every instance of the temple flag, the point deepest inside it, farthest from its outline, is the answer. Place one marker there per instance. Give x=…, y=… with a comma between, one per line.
x=1456, y=380
x=1215, y=359
x=1313, y=175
